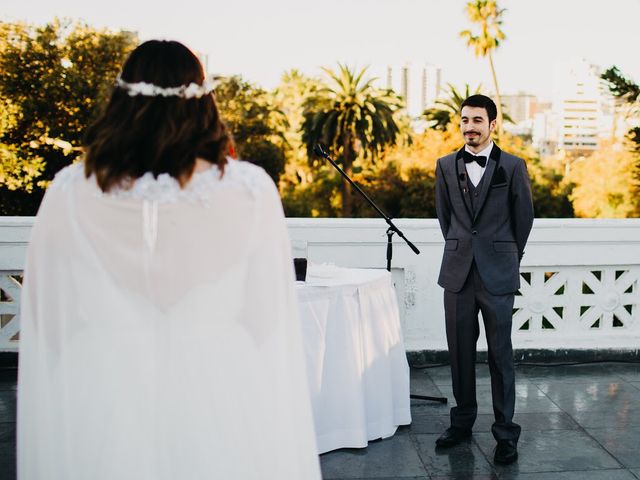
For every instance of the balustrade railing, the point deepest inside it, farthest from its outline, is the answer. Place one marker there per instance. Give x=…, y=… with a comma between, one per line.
x=580, y=279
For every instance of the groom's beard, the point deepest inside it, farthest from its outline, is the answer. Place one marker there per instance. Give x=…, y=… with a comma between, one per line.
x=474, y=138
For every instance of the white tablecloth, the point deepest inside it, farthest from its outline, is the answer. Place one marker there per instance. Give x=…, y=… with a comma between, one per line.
x=356, y=362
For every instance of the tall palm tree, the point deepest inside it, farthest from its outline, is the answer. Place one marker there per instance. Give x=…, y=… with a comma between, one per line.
x=488, y=16
x=349, y=116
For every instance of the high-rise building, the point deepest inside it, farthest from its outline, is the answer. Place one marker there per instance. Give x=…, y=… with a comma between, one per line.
x=545, y=130
x=583, y=107
x=432, y=81
x=419, y=86
x=520, y=107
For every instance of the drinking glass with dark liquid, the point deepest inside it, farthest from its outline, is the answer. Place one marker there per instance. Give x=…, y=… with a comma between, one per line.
x=300, y=265
x=299, y=254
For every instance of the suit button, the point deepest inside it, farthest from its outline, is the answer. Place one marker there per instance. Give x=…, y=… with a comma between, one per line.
x=475, y=232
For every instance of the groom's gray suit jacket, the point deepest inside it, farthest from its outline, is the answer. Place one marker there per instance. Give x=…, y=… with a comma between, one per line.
x=491, y=229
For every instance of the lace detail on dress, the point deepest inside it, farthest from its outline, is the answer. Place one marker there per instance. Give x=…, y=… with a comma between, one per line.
x=166, y=189
x=67, y=176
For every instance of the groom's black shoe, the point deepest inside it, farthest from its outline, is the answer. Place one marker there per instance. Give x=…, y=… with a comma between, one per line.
x=506, y=452
x=452, y=436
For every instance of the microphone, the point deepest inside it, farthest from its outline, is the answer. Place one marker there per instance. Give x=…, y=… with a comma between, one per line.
x=317, y=149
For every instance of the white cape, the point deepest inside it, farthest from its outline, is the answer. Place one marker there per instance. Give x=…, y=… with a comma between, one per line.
x=159, y=334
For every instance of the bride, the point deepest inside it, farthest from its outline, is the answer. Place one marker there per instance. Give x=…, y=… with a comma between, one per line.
x=159, y=335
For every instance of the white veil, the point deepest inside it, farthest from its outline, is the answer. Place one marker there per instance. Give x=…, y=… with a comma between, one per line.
x=159, y=334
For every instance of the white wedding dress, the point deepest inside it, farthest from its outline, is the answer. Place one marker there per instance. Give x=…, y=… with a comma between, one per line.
x=159, y=334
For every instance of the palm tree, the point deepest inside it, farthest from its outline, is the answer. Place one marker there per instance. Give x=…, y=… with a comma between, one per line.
x=488, y=16
x=350, y=116
x=447, y=110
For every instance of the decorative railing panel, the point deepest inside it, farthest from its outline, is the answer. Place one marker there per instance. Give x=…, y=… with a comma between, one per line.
x=567, y=300
x=10, y=287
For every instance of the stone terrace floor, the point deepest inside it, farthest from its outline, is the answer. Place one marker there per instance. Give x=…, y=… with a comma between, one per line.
x=578, y=422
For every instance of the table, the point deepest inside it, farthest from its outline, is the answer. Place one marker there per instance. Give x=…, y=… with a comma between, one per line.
x=356, y=361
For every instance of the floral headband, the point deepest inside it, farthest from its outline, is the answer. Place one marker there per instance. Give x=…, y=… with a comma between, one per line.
x=193, y=90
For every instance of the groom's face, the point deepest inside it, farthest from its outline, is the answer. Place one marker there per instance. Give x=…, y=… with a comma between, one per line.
x=476, y=127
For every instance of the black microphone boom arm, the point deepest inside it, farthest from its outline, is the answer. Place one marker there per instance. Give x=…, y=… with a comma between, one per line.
x=318, y=150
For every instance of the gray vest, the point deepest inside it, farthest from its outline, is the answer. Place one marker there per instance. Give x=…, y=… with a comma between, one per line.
x=474, y=191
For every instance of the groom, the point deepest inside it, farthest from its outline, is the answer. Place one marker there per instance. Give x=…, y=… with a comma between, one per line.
x=484, y=206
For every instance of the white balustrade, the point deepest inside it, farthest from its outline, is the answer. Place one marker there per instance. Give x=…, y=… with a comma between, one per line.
x=580, y=278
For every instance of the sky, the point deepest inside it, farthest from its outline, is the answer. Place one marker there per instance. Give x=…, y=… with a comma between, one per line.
x=260, y=39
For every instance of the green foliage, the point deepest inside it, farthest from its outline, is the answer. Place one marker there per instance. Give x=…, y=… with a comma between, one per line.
x=15, y=173
x=256, y=124
x=628, y=93
x=320, y=197
x=289, y=97
x=352, y=119
x=52, y=80
x=604, y=182
x=549, y=188
x=551, y=194
x=621, y=86
x=409, y=195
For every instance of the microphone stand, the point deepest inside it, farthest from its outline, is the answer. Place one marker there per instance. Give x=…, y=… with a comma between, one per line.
x=318, y=150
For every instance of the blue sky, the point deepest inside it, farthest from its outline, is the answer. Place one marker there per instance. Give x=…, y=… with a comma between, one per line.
x=260, y=39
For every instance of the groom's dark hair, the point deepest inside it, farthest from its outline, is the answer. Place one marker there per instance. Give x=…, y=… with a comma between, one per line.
x=481, y=101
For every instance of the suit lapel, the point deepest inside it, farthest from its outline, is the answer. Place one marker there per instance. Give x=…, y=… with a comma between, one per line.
x=463, y=188
x=492, y=162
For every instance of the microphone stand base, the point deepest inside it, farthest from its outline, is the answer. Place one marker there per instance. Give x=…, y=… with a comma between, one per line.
x=425, y=397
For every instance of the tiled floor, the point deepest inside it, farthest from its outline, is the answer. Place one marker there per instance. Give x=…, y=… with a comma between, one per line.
x=578, y=422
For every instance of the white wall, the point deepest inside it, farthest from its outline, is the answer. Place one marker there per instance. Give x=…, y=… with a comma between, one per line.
x=560, y=257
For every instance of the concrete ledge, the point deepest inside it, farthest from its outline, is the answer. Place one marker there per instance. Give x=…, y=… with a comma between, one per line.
x=429, y=357
x=9, y=360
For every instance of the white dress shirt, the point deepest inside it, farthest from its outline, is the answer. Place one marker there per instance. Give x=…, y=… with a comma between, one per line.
x=474, y=170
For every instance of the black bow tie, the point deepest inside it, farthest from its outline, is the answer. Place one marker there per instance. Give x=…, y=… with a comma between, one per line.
x=469, y=157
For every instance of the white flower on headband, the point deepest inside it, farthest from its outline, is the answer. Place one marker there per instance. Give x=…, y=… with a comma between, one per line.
x=193, y=90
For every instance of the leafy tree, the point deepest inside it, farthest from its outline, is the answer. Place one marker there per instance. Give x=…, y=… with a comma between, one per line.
x=424, y=149
x=15, y=173
x=408, y=194
x=256, y=124
x=351, y=118
x=289, y=97
x=53, y=79
x=604, y=182
x=549, y=187
x=488, y=16
x=628, y=94
x=318, y=198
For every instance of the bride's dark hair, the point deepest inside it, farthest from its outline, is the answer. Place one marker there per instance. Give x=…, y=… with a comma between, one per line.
x=139, y=134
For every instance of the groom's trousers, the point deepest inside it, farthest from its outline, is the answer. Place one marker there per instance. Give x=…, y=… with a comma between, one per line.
x=461, y=314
